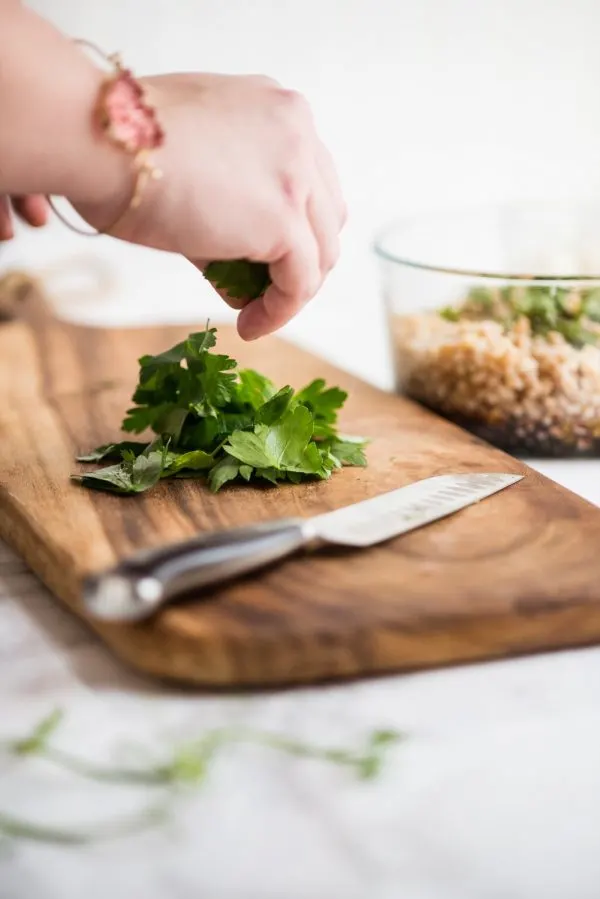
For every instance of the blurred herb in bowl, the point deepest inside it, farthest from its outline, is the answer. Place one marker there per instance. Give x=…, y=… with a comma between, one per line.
x=575, y=314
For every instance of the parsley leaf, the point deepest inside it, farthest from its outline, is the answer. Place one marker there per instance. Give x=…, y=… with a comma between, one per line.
x=254, y=388
x=113, y=451
x=213, y=421
x=212, y=381
x=324, y=403
x=238, y=278
x=349, y=450
x=269, y=474
x=165, y=418
x=155, y=365
x=273, y=409
x=283, y=445
x=134, y=474
x=225, y=470
x=195, y=460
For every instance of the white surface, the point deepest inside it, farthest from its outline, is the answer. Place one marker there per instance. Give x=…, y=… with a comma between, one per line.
x=494, y=794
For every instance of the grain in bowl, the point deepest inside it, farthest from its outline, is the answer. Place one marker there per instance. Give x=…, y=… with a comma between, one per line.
x=518, y=366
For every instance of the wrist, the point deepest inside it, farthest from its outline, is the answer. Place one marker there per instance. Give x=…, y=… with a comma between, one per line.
x=125, y=116
x=51, y=147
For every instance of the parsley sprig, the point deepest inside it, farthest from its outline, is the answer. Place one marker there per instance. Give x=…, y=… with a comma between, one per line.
x=568, y=311
x=190, y=761
x=187, y=767
x=214, y=421
x=239, y=278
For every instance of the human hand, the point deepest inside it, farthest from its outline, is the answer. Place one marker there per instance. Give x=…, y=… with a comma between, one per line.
x=32, y=209
x=245, y=176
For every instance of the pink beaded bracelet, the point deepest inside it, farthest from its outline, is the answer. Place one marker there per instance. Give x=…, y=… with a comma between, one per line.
x=124, y=117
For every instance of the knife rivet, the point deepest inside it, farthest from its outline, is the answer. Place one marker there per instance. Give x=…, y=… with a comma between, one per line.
x=149, y=590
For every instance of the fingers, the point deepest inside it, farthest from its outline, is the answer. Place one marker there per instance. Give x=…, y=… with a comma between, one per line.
x=330, y=178
x=6, y=227
x=32, y=209
x=299, y=274
x=233, y=302
x=296, y=205
x=295, y=277
x=324, y=221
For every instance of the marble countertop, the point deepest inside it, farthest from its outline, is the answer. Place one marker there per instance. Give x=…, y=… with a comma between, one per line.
x=491, y=795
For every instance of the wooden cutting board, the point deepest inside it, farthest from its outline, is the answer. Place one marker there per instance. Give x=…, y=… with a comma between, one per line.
x=516, y=573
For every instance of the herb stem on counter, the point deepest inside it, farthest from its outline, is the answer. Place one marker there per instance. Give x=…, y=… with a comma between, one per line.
x=19, y=829
x=189, y=763
x=188, y=766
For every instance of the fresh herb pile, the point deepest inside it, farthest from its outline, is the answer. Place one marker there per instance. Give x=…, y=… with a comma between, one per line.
x=573, y=313
x=215, y=421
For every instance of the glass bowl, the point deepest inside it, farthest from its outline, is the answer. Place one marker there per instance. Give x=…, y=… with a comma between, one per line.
x=494, y=321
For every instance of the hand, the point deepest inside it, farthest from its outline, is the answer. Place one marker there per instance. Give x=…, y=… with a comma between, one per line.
x=32, y=209
x=245, y=176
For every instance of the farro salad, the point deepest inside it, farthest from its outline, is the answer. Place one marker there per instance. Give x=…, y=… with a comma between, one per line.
x=518, y=366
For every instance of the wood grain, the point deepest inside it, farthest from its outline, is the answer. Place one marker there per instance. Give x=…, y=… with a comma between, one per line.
x=517, y=573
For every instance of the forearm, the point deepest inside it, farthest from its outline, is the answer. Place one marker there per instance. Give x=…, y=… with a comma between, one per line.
x=48, y=87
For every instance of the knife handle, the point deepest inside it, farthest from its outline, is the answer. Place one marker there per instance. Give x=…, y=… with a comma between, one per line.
x=137, y=587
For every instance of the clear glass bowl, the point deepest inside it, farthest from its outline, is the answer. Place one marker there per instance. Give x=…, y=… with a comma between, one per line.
x=494, y=321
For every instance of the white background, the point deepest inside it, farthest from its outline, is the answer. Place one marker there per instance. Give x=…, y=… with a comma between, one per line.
x=424, y=104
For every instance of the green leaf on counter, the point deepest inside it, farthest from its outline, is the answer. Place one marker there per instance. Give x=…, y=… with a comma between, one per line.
x=134, y=474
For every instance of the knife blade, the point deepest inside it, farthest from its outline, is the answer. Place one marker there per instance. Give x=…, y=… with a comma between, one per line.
x=138, y=586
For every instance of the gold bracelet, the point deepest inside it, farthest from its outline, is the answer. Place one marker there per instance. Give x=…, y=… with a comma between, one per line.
x=124, y=117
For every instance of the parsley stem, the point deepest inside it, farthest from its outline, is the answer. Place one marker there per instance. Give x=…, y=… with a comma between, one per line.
x=187, y=766
x=18, y=828
x=158, y=776
x=189, y=763
x=366, y=763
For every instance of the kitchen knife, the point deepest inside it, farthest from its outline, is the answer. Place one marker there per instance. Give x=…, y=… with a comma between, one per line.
x=138, y=586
